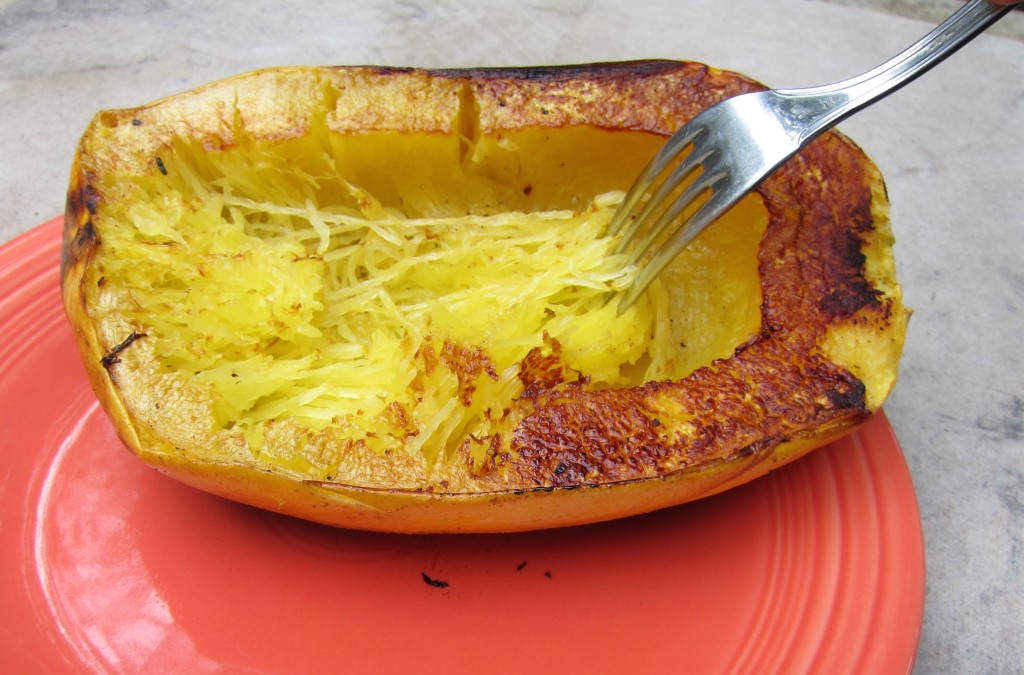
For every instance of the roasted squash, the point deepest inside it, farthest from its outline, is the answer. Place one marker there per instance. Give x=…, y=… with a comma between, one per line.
x=384, y=298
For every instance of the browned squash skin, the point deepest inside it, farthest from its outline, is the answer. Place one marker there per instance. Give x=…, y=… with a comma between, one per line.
x=581, y=455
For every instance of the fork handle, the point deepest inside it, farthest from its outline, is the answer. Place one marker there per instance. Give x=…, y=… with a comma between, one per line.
x=813, y=110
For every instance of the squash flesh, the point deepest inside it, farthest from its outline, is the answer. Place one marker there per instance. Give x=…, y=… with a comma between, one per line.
x=266, y=280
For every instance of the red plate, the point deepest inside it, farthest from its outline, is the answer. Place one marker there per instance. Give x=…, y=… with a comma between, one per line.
x=111, y=567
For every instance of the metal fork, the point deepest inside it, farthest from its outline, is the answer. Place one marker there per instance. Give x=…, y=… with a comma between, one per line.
x=736, y=144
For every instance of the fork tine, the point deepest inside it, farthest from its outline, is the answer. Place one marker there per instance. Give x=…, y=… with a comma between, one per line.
x=706, y=181
x=708, y=212
x=668, y=152
x=686, y=168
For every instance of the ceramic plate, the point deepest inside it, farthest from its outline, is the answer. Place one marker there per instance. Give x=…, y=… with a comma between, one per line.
x=111, y=567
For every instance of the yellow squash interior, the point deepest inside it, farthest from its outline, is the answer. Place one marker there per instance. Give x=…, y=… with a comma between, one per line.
x=389, y=284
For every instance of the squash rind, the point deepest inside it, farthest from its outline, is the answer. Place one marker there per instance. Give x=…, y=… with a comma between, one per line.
x=823, y=360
